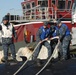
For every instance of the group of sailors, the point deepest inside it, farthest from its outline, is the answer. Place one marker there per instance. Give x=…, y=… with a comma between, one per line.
x=44, y=33
x=59, y=30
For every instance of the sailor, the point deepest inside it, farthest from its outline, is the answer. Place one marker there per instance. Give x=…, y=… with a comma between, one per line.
x=8, y=31
x=65, y=38
x=42, y=34
x=53, y=33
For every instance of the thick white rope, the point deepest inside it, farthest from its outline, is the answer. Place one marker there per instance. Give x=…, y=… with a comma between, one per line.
x=30, y=57
x=26, y=60
x=48, y=59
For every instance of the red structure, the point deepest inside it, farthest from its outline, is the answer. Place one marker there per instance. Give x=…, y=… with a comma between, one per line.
x=37, y=11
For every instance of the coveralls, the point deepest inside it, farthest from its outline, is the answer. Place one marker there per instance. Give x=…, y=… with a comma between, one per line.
x=41, y=35
x=65, y=38
x=7, y=39
x=53, y=33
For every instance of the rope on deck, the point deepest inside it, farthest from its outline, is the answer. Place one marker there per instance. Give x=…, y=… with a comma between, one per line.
x=32, y=54
x=48, y=59
x=26, y=60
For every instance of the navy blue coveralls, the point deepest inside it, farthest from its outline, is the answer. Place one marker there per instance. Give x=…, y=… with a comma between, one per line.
x=54, y=31
x=41, y=35
x=65, y=38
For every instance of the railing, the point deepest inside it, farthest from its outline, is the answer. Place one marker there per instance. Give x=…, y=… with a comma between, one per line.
x=35, y=14
x=74, y=13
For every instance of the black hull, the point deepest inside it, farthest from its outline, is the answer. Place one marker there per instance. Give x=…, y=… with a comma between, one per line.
x=67, y=67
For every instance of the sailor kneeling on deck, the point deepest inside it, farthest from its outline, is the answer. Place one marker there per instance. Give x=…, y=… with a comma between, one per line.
x=8, y=31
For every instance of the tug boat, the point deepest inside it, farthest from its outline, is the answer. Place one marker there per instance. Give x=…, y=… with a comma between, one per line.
x=34, y=13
